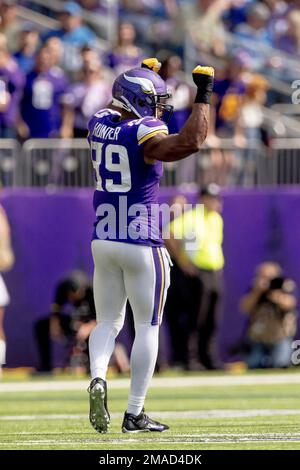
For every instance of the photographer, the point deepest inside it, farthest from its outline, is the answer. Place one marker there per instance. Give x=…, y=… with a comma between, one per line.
x=71, y=320
x=271, y=306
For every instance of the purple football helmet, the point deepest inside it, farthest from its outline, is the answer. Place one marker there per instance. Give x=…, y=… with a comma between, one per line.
x=142, y=92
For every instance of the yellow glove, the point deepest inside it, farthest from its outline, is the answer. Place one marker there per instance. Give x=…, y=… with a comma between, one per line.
x=201, y=69
x=151, y=64
x=204, y=80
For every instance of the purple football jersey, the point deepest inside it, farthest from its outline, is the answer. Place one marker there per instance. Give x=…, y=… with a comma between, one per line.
x=40, y=106
x=12, y=83
x=126, y=195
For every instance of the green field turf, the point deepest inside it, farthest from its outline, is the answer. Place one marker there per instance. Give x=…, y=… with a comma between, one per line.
x=200, y=417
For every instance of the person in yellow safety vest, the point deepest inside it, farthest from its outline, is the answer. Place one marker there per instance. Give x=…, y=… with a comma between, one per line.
x=195, y=243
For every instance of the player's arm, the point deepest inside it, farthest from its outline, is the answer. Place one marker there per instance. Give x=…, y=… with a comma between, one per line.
x=170, y=148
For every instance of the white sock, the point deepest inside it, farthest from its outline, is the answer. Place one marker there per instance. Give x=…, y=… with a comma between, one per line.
x=2, y=352
x=101, y=346
x=142, y=362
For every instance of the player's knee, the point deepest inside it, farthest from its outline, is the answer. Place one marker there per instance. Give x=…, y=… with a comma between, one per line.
x=114, y=326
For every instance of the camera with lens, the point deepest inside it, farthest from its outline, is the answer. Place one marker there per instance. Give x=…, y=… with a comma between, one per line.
x=276, y=283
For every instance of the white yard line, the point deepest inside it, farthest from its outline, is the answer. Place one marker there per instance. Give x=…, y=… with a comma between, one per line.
x=165, y=436
x=175, y=439
x=159, y=382
x=210, y=414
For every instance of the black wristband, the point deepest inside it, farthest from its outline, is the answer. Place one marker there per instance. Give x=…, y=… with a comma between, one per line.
x=205, y=85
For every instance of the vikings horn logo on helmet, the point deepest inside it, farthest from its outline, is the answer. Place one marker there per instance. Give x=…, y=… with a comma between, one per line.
x=142, y=92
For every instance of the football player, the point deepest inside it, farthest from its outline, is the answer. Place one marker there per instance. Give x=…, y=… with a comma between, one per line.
x=129, y=142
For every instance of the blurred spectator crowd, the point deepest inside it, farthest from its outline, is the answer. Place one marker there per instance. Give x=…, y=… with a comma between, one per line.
x=53, y=80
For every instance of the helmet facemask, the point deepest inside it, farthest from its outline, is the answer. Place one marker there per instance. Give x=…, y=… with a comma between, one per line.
x=159, y=106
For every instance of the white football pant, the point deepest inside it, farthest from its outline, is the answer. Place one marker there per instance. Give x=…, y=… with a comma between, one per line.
x=140, y=274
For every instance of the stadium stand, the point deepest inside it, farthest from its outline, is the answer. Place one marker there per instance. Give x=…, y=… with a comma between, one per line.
x=260, y=150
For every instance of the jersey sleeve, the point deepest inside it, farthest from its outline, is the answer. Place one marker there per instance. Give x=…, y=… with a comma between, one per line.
x=91, y=124
x=149, y=127
x=101, y=114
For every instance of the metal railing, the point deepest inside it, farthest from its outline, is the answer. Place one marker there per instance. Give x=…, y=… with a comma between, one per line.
x=67, y=163
x=57, y=162
x=284, y=162
x=10, y=151
x=254, y=165
x=64, y=163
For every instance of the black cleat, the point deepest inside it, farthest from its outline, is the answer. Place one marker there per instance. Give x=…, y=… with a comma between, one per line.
x=99, y=415
x=141, y=423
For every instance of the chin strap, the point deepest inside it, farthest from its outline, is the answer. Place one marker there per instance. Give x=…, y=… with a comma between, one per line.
x=129, y=108
x=119, y=104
